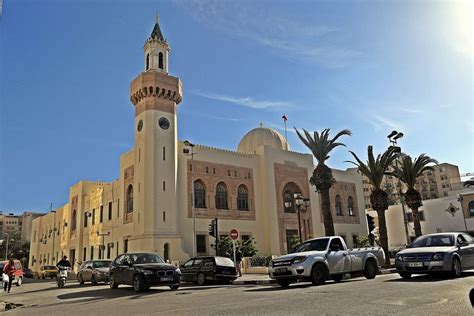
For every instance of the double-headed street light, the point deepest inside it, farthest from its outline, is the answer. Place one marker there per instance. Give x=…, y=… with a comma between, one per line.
x=102, y=246
x=301, y=204
x=392, y=138
x=187, y=143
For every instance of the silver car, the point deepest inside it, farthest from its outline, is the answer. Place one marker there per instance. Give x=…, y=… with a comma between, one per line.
x=443, y=252
x=94, y=271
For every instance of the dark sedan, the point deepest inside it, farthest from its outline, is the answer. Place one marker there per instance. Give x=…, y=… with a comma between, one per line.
x=94, y=271
x=143, y=270
x=202, y=269
x=442, y=252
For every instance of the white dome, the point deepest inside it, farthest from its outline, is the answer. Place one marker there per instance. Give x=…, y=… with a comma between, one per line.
x=262, y=136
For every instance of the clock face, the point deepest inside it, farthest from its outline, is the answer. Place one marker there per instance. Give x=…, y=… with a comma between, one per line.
x=140, y=125
x=164, y=123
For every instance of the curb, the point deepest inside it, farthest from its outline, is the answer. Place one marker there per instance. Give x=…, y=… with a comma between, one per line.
x=387, y=271
x=257, y=282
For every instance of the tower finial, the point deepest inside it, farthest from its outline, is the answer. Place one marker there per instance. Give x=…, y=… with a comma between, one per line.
x=261, y=124
x=157, y=17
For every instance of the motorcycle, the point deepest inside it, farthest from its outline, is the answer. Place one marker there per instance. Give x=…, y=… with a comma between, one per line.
x=62, y=276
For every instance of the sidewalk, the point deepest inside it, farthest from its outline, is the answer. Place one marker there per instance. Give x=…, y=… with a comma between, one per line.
x=250, y=278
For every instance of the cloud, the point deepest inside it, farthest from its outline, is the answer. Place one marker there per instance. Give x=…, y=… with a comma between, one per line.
x=246, y=101
x=286, y=36
x=378, y=121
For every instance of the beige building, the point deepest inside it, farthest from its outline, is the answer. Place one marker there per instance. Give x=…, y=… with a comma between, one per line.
x=164, y=193
x=431, y=185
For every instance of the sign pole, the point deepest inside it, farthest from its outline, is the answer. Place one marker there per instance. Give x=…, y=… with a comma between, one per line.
x=233, y=246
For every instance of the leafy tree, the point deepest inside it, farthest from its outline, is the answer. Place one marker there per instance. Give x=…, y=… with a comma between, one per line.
x=408, y=171
x=375, y=169
x=225, y=247
x=388, y=188
x=321, y=146
x=363, y=241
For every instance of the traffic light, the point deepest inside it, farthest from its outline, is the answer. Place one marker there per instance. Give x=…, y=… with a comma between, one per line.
x=213, y=228
x=370, y=223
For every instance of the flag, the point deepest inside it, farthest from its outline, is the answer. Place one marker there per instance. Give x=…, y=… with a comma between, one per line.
x=284, y=118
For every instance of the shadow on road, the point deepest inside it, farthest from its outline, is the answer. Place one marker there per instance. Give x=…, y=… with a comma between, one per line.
x=430, y=278
x=298, y=285
x=55, y=287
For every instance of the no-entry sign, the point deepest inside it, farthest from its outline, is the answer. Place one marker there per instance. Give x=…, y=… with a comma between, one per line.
x=234, y=234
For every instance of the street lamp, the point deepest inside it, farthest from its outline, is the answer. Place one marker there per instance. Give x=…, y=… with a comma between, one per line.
x=102, y=246
x=187, y=143
x=54, y=233
x=301, y=204
x=392, y=138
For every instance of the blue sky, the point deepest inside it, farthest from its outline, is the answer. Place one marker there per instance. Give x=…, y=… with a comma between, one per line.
x=368, y=66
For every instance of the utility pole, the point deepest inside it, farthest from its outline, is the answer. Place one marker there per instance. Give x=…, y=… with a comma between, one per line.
x=102, y=246
x=186, y=152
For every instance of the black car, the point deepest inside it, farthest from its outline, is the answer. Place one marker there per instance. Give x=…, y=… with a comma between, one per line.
x=27, y=273
x=202, y=269
x=142, y=270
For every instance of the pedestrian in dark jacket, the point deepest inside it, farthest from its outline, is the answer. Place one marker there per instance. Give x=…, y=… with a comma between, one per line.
x=238, y=261
x=9, y=269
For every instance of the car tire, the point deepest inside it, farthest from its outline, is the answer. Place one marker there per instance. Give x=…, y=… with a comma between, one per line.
x=20, y=281
x=112, y=283
x=405, y=275
x=319, y=274
x=456, y=270
x=138, y=284
x=80, y=279
x=174, y=287
x=201, y=279
x=371, y=269
x=284, y=283
x=93, y=280
x=337, y=277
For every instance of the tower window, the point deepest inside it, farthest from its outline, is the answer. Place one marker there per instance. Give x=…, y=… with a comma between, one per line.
x=164, y=186
x=160, y=60
x=129, y=199
x=164, y=153
x=147, y=61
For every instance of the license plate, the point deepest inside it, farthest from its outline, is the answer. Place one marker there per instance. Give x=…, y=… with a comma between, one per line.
x=225, y=272
x=165, y=279
x=415, y=264
x=280, y=270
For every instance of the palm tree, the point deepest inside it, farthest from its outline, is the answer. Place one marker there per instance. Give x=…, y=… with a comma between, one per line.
x=322, y=178
x=408, y=171
x=375, y=169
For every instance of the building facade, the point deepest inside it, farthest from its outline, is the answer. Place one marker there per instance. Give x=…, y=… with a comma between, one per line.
x=168, y=190
x=13, y=225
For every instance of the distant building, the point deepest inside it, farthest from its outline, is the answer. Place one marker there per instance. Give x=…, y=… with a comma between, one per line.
x=11, y=224
x=431, y=185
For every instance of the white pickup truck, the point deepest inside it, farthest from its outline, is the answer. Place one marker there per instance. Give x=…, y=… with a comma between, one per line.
x=319, y=259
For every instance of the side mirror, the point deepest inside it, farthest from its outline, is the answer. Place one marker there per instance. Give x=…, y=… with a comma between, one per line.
x=463, y=243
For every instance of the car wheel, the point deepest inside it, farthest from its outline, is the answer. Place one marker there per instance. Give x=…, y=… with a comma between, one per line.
x=93, y=280
x=337, y=277
x=112, y=283
x=43, y=277
x=80, y=279
x=405, y=275
x=370, y=270
x=174, y=287
x=457, y=269
x=19, y=282
x=319, y=274
x=201, y=279
x=138, y=284
x=284, y=283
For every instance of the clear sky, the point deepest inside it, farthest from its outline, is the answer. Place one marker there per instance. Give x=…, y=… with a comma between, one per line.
x=369, y=66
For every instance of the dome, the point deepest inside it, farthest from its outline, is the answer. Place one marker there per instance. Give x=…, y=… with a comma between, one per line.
x=262, y=136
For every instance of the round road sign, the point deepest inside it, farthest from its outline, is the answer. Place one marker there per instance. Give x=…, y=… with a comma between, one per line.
x=234, y=234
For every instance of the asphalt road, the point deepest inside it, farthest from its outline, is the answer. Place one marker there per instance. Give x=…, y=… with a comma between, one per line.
x=387, y=294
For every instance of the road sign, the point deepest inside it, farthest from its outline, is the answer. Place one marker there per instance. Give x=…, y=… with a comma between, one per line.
x=234, y=234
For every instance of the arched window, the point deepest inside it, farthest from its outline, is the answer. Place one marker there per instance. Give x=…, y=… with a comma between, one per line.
x=199, y=195
x=74, y=220
x=221, y=197
x=166, y=251
x=130, y=199
x=160, y=60
x=288, y=196
x=338, y=205
x=471, y=208
x=242, y=198
x=350, y=205
x=147, y=61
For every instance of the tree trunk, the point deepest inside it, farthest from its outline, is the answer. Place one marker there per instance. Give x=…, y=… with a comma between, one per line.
x=416, y=222
x=327, y=215
x=383, y=235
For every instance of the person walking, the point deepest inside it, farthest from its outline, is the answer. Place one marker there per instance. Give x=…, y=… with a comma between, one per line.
x=238, y=260
x=9, y=270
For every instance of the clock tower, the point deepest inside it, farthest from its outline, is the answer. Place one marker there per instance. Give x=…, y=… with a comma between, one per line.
x=155, y=95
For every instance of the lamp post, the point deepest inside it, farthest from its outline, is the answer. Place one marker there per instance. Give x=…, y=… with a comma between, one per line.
x=54, y=232
x=301, y=204
x=392, y=138
x=102, y=246
x=187, y=143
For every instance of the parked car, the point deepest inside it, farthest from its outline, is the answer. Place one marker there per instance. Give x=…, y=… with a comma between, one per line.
x=318, y=259
x=94, y=271
x=441, y=252
x=202, y=269
x=28, y=273
x=47, y=272
x=18, y=274
x=143, y=270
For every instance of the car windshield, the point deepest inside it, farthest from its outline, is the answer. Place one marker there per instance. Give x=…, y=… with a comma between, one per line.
x=101, y=264
x=147, y=258
x=224, y=262
x=313, y=245
x=433, y=241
